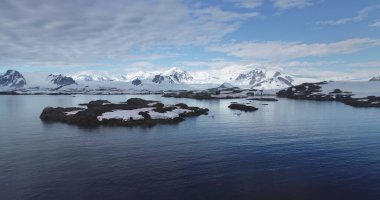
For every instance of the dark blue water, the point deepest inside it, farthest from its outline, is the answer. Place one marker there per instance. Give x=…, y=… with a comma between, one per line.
x=286, y=150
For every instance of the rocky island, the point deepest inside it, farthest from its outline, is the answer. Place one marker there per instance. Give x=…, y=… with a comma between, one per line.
x=134, y=111
x=241, y=107
x=224, y=91
x=322, y=91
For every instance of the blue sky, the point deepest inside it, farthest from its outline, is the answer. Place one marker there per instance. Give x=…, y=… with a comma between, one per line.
x=301, y=36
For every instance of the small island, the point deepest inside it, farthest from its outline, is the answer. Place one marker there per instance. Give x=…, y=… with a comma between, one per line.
x=133, y=112
x=242, y=107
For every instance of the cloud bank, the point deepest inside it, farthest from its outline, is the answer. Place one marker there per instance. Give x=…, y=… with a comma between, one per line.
x=283, y=50
x=55, y=32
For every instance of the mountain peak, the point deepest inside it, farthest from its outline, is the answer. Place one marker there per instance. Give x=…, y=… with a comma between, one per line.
x=226, y=85
x=178, y=75
x=12, y=78
x=265, y=78
x=60, y=80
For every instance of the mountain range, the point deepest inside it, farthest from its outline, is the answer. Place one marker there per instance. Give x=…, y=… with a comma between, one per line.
x=172, y=79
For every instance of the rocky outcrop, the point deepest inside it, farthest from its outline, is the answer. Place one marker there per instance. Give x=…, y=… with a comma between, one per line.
x=136, y=82
x=133, y=112
x=242, y=107
x=370, y=101
x=160, y=79
x=312, y=91
x=12, y=78
x=375, y=78
x=306, y=91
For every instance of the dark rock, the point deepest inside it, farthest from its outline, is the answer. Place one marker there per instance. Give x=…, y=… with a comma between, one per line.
x=138, y=101
x=57, y=114
x=196, y=111
x=159, y=79
x=370, y=101
x=304, y=91
x=263, y=99
x=182, y=106
x=95, y=103
x=158, y=105
x=336, y=91
x=145, y=115
x=242, y=107
x=136, y=82
x=9, y=93
x=164, y=109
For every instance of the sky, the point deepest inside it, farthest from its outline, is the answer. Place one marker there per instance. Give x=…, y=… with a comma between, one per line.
x=308, y=37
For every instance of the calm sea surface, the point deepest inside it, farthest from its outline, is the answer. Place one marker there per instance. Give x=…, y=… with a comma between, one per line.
x=286, y=150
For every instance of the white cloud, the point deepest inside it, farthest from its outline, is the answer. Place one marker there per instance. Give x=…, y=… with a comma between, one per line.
x=287, y=4
x=375, y=24
x=89, y=32
x=280, y=50
x=361, y=15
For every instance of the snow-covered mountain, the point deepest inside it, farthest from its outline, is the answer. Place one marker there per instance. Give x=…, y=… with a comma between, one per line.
x=61, y=80
x=12, y=78
x=173, y=75
x=375, y=78
x=178, y=75
x=91, y=76
x=264, y=79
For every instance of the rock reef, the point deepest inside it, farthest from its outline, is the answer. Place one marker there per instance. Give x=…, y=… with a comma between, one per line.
x=242, y=107
x=263, y=99
x=133, y=112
